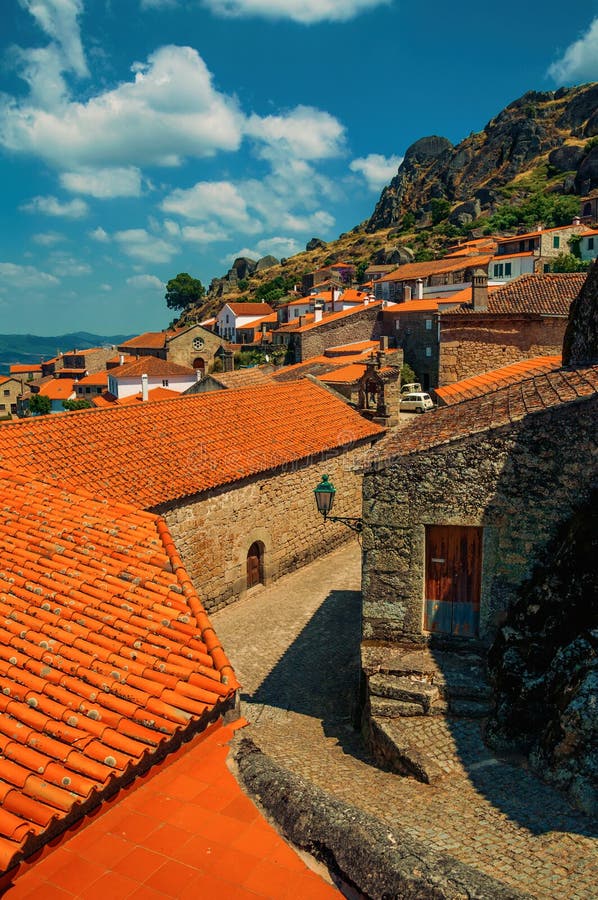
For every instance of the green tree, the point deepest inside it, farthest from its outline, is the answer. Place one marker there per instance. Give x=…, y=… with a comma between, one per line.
x=82, y=403
x=439, y=210
x=39, y=404
x=183, y=291
x=567, y=262
x=407, y=374
x=360, y=271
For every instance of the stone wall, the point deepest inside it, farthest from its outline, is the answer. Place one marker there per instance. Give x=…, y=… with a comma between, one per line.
x=180, y=348
x=360, y=326
x=519, y=483
x=474, y=344
x=418, y=342
x=214, y=532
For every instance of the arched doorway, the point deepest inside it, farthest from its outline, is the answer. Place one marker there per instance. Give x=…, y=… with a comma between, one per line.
x=255, y=564
x=199, y=363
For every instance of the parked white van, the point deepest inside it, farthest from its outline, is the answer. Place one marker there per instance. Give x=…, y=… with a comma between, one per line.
x=416, y=402
x=414, y=388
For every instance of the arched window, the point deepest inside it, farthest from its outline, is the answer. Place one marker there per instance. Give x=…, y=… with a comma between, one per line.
x=199, y=363
x=255, y=564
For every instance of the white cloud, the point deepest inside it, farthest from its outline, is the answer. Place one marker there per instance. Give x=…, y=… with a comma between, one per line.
x=98, y=234
x=377, y=170
x=306, y=12
x=104, y=183
x=207, y=201
x=59, y=20
x=168, y=112
x=106, y=288
x=140, y=244
x=51, y=206
x=202, y=234
x=48, y=238
x=158, y=4
x=579, y=62
x=25, y=276
x=304, y=133
x=66, y=266
x=146, y=282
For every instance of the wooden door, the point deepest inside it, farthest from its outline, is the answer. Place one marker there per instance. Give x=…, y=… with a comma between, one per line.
x=254, y=566
x=453, y=579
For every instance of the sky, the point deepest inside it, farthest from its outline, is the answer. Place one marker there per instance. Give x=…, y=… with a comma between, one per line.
x=143, y=138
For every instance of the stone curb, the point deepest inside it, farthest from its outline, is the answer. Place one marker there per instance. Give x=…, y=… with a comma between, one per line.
x=381, y=863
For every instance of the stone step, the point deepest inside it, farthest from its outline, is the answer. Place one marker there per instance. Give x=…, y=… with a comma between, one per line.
x=393, y=748
x=386, y=708
x=470, y=709
x=409, y=690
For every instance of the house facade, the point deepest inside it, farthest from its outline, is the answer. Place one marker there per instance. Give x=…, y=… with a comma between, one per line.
x=128, y=379
x=192, y=346
x=234, y=316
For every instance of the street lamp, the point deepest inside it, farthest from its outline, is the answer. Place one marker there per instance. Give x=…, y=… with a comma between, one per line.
x=324, y=494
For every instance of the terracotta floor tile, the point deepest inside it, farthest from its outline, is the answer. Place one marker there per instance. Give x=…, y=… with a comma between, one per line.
x=227, y=859
x=107, y=850
x=214, y=826
x=109, y=887
x=77, y=874
x=27, y=887
x=157, y=805
x=171, y=878
x=139, y=864
x=135, y=827
x=210, y=886
x=283, y=855
x=241, y=808
x=269, y=880
x=309, y=886
x=196, y=850
x=143, y=892
x=167, y=839
x=187, y=816
x=182, y=787
x=257, y=840
x=216, y=796
x=50, y=891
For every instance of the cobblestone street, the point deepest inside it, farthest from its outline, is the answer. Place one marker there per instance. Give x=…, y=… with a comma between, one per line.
x=295, y=648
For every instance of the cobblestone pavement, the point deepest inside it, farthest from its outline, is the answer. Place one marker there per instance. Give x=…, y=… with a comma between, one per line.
x=295, y=648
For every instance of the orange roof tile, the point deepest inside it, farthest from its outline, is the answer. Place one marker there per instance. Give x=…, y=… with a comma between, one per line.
x=250, y=309
x=242, y=378
x=151, y=340
x=333, y=317
x=490, y=381
x=58, y=388
x=428, y=304
x=502, y=256
x=548, y=294
x=350, y=349
x=23, y=368
x=344, y=375
x=412, y=271
x=135, y=453
x=151, y=365
x=537, y=233
x=100, y=379
x=157, y=393
x=107, y=656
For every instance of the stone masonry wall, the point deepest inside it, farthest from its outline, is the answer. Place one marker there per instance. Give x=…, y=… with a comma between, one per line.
x=361, y=326
x=518, y=482
x=472, y=345
x=214, y=533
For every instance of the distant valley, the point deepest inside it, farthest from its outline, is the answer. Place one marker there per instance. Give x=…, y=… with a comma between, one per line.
x=31, y=348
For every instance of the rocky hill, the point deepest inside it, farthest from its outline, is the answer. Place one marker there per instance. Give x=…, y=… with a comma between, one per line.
x=531, y=163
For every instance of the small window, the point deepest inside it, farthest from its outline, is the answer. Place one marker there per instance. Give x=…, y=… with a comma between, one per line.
x=521, y=246
x=556, y=242
x=590, y=243
x=165, y=382
x=428, y=351
x=7, y=393
x=428, y=324
x=2, y=405
x=546, y=267
x=88, y=390
x=397, y=325
x=507, y=268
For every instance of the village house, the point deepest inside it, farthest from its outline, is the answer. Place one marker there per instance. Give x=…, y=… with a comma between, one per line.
x=312, y=334
x=91, y=385
x=235, y=316
x=589, y=209
x=228, y=470
x=458, y=511
x=439, y=277
x=588, y=245
x=25, y=371
x=192, y=346
x=532, y=252
x=224, y=381
x=147, y=373
x=10, y=390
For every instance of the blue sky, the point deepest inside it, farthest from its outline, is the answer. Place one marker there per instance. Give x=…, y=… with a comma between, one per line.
x=142, y=138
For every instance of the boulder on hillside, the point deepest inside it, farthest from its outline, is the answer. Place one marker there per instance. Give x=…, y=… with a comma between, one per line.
x=315, y=244
x=266, y=262
x=566, y=159
x=591, y=129
x=580, y=108
x=466, y=212
x=242, y=267
x=587, y=174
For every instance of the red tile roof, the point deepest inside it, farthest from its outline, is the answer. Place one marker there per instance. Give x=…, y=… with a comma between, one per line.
x=157, y=393
x=411, y=271
x=548, y=294
x=23, y=369
x=242, y=378
x=351, y=349
x=344, y=375
x=100, y=379
x=333, y=317
x=151, y=340
x=58, y=388
x=489, y=411
x=156, y=453
x=490, y=381
x=428, y=305
x=250, y=309
x=107, y=656
x=151, y=365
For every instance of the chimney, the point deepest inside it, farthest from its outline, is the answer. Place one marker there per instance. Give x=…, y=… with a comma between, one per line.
x=302, y=321
x=318, y=312
x=479, y=290
x=384, y=343
x=419, y=289
x=121, y=359
x=576, y=220
x=144, y=388
x=406, y=292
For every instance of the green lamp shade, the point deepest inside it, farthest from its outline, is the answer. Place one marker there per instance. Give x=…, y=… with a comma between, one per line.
x=324, y=494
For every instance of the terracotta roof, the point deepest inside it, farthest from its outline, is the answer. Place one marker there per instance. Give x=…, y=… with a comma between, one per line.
x=242, y=378
x=333, y=317
x=271, y=317
x=548, y=294
x=150, y=365
x=477, y=385
x=100, y=379
x=157, y=393
x=71, y=371
x=106, y=654
x=423, y=306
x=151, y=340
x=58, y=388
x=250, y=309
x=411, y=271
x=344, y=375
x=155, y=453
x=489, y=411
x=350, y=349
x=538, y=232
x=128, y=357
x=22, y=368
x=353, y=295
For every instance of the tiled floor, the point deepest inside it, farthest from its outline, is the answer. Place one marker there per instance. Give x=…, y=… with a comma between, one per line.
x=187, y=831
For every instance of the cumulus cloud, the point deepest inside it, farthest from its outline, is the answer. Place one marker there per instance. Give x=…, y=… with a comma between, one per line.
x=59, y=19
x=48, y=238
x=51, y=206
x=274, y=246
x=305, y=12
x=140, y=244
x=104, y=183
x=377, y=170
x=98, y=234
x=133, y=124
x=304, y=133
x=146, y=282
x=66, y=266
x=207, y=201
x=13, y=275
x=579, y=62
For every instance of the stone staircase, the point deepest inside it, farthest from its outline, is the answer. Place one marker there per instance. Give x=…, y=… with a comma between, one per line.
x=416, y=699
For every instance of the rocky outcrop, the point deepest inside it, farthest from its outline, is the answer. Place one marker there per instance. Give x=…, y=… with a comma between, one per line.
x=315, y=244
x=580, y=344
x=544, y=664
x=266, y=262
x=518, y=139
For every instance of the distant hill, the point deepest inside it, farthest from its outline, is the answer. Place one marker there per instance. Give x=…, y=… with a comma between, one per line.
x=31, y=348
x=531, y=163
